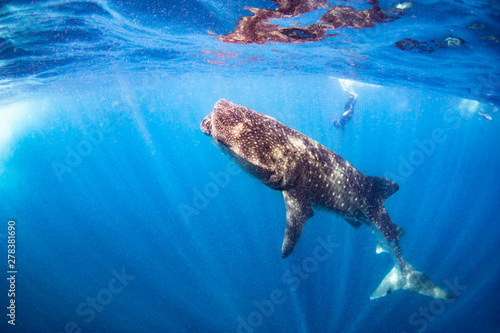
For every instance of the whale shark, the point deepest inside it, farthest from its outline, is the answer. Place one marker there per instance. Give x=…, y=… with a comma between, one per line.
x=312, y=176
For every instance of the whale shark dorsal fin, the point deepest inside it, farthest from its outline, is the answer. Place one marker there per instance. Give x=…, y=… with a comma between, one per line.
x=381, y=188
x=298, y=210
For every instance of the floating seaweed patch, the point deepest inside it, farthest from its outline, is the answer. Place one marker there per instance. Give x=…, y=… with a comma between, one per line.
x=412, y=45
x=257, y=29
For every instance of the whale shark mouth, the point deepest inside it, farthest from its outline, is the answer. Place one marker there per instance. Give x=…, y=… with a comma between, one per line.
x=206, y=125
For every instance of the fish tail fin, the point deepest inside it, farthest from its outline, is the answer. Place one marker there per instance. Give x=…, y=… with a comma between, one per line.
x=409, y=278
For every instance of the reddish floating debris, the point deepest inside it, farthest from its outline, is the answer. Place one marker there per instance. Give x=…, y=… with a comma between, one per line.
x=408, y=44
x=220, y=63
x=251, y=59
x=292, y=8
x=256, y=29
x=343, y=17
x=219, y=54
x=412, y=45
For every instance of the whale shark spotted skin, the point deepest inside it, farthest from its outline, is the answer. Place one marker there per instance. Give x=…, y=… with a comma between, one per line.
x=312, y=176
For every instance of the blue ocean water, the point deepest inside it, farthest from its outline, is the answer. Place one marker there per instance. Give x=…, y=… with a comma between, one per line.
x=128, y=219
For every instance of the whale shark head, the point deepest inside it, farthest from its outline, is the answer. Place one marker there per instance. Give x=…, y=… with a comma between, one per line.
x=235, y=128
x=225, y=124
x=254, y=140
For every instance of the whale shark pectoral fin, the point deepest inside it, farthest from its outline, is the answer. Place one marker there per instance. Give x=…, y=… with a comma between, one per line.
x=298, y=211
x=409, y=279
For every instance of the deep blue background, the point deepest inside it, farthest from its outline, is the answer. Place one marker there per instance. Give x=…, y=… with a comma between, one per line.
x=121, y=208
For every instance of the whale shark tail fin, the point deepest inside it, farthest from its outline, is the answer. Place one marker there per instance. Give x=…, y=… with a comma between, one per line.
x=409, y=279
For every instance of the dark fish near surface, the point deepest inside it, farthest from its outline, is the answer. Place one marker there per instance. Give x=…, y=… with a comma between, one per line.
x=311, y=175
